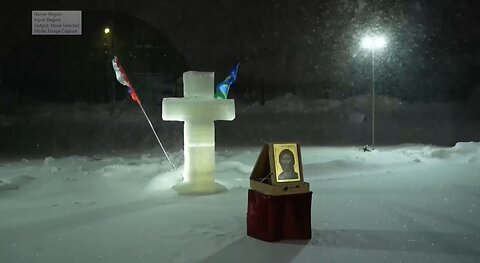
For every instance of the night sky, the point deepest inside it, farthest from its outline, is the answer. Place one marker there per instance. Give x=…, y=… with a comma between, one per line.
x=309, y=48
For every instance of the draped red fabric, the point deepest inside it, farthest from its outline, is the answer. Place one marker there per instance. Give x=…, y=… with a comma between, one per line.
x=274, y=218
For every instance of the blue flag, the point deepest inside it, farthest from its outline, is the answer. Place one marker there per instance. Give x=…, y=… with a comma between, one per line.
x=221, y=91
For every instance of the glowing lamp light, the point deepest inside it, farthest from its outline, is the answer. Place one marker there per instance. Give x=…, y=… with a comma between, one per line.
x=106, y=30
x=374, y=42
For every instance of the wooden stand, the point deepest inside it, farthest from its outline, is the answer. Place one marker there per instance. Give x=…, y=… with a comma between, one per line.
x=275, y=217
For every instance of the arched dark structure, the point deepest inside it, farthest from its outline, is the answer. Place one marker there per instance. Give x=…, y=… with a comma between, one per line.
x=77, y=68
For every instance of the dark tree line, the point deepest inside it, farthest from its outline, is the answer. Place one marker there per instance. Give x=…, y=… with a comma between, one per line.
x=313, y=47
x=309, y=48
x=78, y=68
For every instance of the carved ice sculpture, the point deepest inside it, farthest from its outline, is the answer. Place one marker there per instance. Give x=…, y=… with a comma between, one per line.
x=198, y=109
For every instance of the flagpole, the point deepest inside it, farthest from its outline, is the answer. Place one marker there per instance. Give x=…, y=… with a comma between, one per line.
x=156, y=136
x=123, y=79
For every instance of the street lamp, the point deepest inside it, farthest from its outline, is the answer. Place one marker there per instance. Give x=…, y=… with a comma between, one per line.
x=372, y=43
x=109, y=53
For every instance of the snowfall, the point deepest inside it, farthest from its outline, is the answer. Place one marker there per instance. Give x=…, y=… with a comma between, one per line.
x=89, y=183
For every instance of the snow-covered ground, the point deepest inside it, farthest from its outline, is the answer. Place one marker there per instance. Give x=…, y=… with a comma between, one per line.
x=399, y=203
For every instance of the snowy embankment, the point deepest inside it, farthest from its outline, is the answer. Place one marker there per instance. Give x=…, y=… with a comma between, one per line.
x=80, y=128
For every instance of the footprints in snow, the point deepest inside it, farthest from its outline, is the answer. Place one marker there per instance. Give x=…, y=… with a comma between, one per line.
x=79, y=204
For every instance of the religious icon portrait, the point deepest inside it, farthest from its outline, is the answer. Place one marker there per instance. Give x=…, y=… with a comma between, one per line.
x=286, y=162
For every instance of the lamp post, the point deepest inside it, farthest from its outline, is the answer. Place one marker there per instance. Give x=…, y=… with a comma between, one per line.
x=109, y=53
x=372, y=43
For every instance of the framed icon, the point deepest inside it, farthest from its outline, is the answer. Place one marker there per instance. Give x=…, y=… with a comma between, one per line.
x=286, y=162
x=278, y=170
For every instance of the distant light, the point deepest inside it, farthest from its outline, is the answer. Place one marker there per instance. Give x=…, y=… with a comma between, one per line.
x=373, y=42
x=106, y=30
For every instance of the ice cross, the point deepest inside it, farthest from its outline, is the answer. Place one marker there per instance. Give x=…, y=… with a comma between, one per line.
x=198, y=109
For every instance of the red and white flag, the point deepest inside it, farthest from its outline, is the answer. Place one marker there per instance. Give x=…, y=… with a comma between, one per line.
x=123, y=79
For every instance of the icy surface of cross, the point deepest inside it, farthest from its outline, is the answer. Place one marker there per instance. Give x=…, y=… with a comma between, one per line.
x=198, y=109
